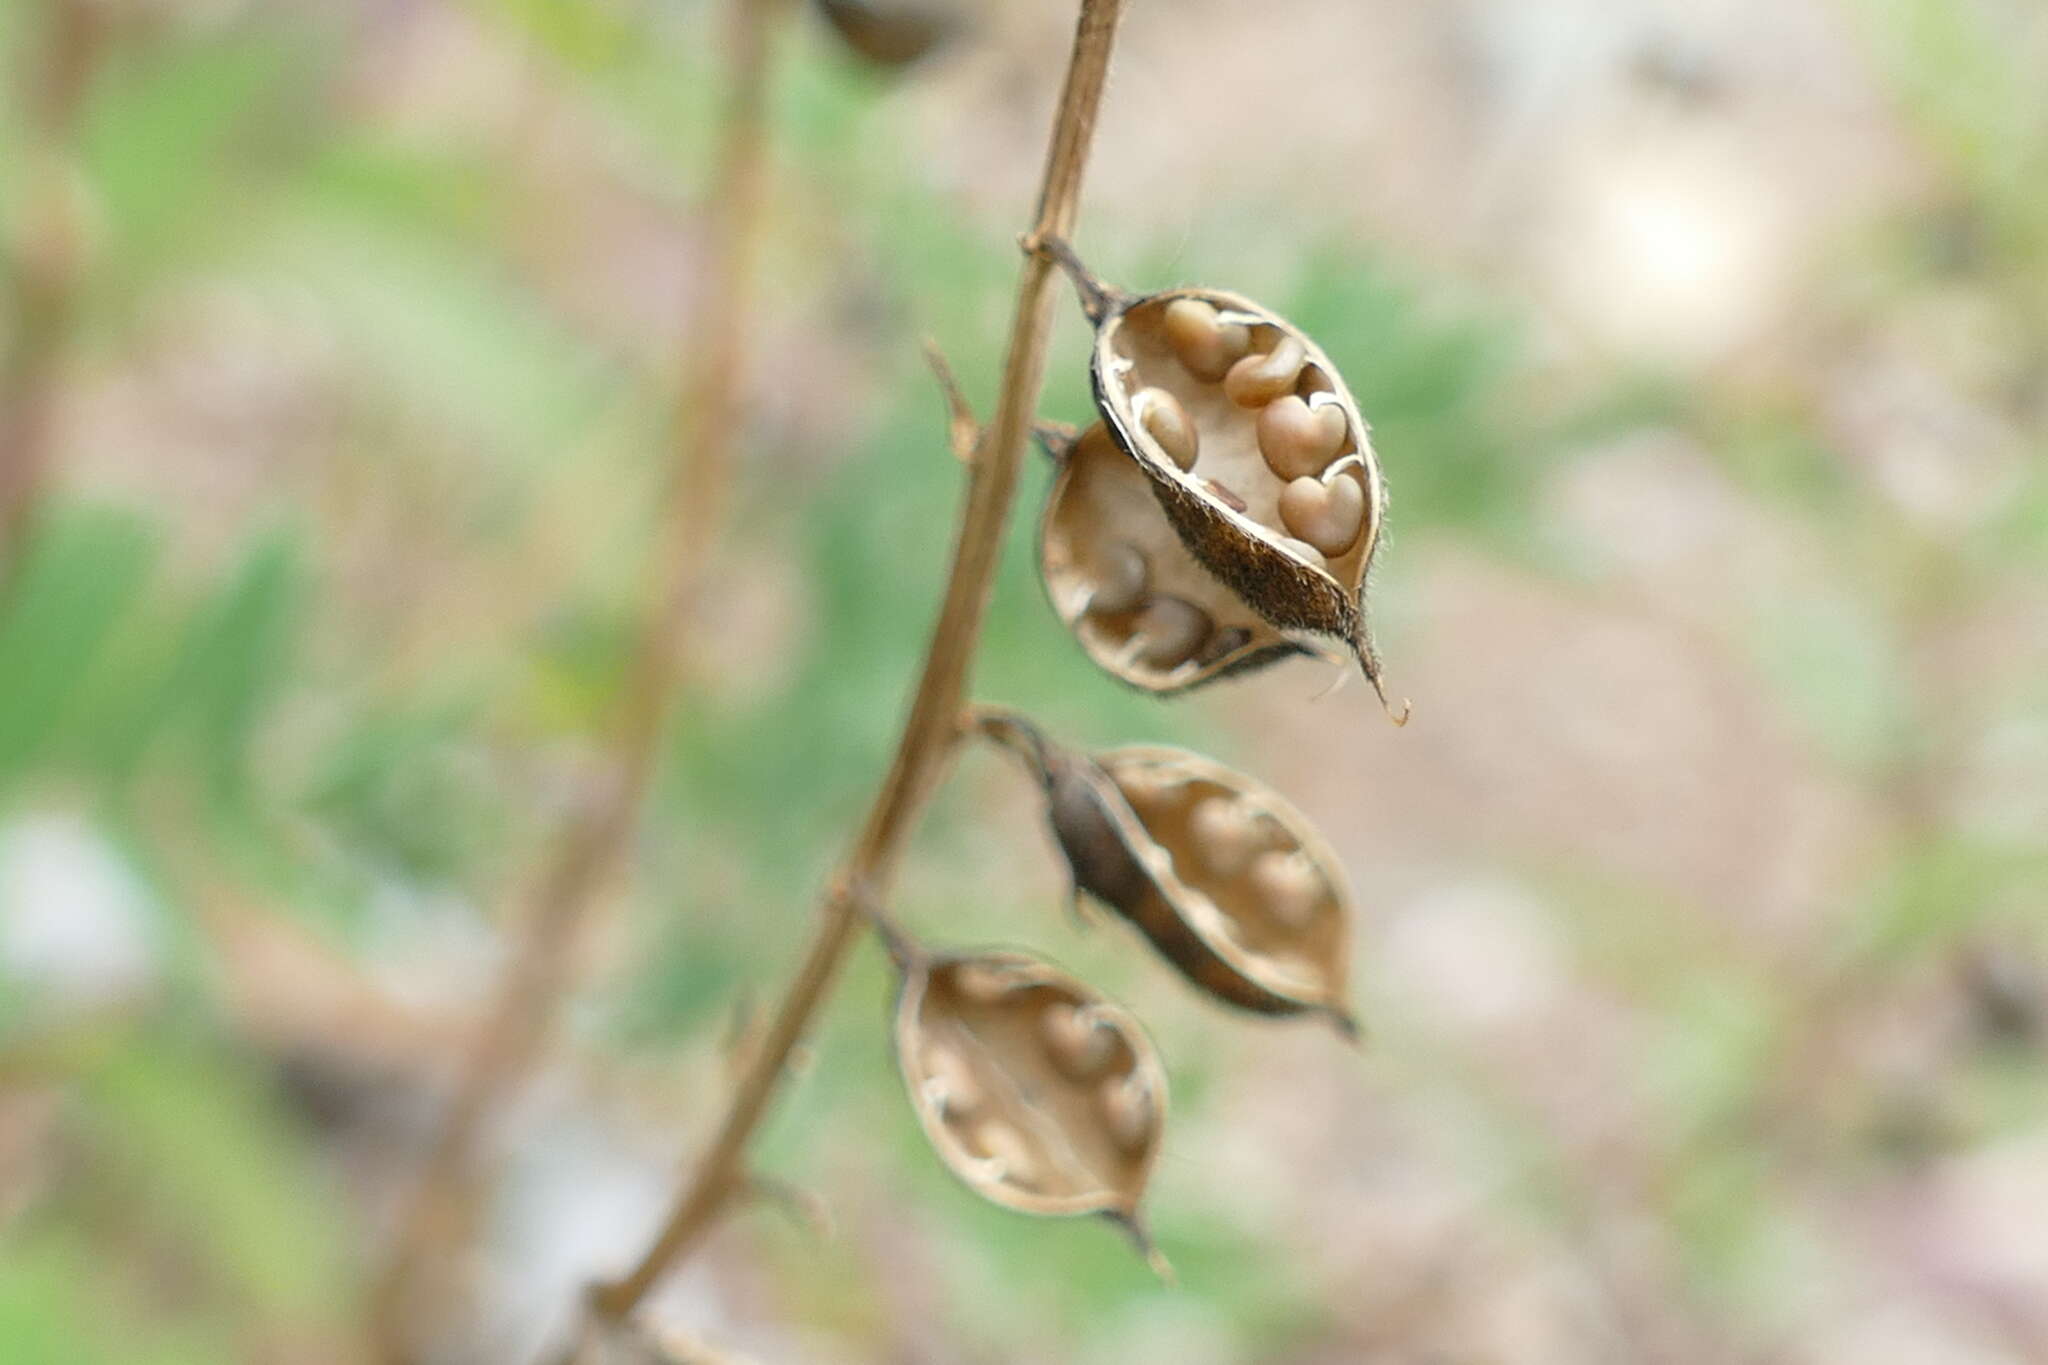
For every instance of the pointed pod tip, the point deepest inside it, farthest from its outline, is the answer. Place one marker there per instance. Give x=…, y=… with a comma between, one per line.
x=1369, y=663
x=1133, y=1225
x=1348, y=1027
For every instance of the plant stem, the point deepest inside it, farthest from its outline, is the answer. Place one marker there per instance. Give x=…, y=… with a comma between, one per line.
x=934, y=722
x=588, y=850
x=43, y=266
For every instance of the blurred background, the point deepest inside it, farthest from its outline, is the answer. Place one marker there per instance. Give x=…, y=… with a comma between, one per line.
x=1703, y=949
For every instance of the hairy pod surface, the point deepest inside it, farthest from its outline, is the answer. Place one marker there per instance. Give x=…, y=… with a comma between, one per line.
x=1143, y=608
x=1254, y=449
x=1037, y=1093
x=1228, y=880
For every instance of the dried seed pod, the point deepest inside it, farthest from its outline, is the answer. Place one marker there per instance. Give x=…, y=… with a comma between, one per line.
x=891, y=32
x=1042, y=1054
x=1230, y=882
x=1119, y=578
x=1275, y=415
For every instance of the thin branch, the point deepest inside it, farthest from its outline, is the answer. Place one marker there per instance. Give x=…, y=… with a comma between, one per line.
x=588, y=850
x=932, y=728
x=43, y=268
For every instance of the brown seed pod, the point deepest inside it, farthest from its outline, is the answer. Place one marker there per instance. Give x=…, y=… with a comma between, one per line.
x=891, y=32
x=1119, y=578
x=1055, y=1074
x=1263, y=465
x=1230, y=882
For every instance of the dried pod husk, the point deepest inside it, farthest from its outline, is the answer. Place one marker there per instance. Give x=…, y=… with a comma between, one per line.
x=1057, y=1072
x=1117, y=575
x=891, y=32
x=1229, y=881
x=1282, y=457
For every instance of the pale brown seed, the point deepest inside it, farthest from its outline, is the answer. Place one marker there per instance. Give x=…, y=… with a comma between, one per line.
x=1129, y=1111
x=1078, y=1039
x=1167, y=422
x=1121, y=574
x=1169, y=630
x=1226, y=835
x=1328, y=516
x=1257, y=380
x=1297, y=439
x=1289, y=887
x=1149, y=789
x=949, y=1082
x=1205, y=345
x=1007, y=1151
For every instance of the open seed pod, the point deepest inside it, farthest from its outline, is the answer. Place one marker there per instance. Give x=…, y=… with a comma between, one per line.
x=1255, y=450
x=1118, y=577
x=1040, y=1095
x=1230, y=882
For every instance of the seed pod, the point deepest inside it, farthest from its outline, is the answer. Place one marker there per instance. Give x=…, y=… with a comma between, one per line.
x=1229, y=881
x=1119, y=578
x=1278, y=454
x=891, y=32
x=1043, y=1052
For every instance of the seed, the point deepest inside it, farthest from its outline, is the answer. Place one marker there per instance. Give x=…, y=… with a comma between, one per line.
x=1129, y=1112
x=1080, y=1041
x=1328, y=516
x=1148, y=789
x=1162, y=416
x=1289, y=886
x=1120, y=578
x=1205, y=345
x=1297, y=439
x=1257, y=380
x=1008, y=1153
x=949, y=1084
x=1168, y=632
x=1226, y=835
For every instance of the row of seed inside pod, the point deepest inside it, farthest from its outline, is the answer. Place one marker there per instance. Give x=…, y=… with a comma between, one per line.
x=1301, y=430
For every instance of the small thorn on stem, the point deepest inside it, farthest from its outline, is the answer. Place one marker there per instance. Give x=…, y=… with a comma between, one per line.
x=806, y=1208
x=963, y=429
x=1056, y=439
